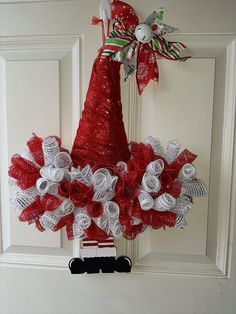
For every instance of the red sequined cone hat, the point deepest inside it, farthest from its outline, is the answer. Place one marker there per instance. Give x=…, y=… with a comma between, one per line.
x=101, y=137
x=101, y=134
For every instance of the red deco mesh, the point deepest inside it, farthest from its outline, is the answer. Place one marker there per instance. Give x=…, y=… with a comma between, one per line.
x=101, y=135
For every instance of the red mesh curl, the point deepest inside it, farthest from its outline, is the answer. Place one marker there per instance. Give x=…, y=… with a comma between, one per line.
x=35, y=147
x=32, y=212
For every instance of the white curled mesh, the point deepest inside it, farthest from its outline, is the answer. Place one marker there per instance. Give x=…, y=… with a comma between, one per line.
x=183, y=205
x=173, y=148
x=122, y=166
x=111, y=209
x=114, y=180
x=145, y=200
x=49, y=220
x=117, y=230
x=20, y=199
x=53, y=189
x=12, y=183
x=28, y=156
x=180, y=221
x=65, y=208
x=102, y=222
x=156, y=145
x=155, y=167
x=103, y=196
x=62, y=160
x=187, y=172
x=43, y=185
x=81, y=218
x=78, y=233
x=51, y=173
x=164, y=202
x=150, y=183
x=195, y=188
x=50, y=149
x=68, y=176
x=83, y=175
x=101, y=180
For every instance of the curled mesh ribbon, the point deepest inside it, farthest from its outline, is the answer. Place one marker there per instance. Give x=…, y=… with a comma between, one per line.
x=153, y=189
x=83, y=175
x=49, y=219
x=50, y=148
x=195, y=188
x=103, y=181
x=122, y=166
x=183, y=205
x=23, y=199
x=173, y=148
x=164, y=202
x=180, y=221
x=156, y=145
x=51, y=173
x=187, y=172
x=155, y=167
x=145, y=200
x=150, y=183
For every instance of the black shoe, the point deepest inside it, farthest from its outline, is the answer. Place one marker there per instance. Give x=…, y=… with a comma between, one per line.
x=107, y=264
x=123, y=264
x=92, y=265
x=77, y=266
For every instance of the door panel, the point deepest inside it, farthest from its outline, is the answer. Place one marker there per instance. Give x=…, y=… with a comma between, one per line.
x=46, y=54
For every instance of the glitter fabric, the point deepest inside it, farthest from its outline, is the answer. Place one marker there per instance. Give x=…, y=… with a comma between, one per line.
x=101, y=135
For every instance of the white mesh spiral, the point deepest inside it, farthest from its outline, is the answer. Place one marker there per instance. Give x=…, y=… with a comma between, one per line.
x=145, y=200
x=78, y=233
x=113, y=183
x=195, y=188
x=155, y=167
x=49, y=220
x=122, y=166
x=62, y=160
x=65, y=208
x=83, y=221
x=111, y=209
x=22, y=199
x=164, y=202
x=180, y=221
x=12, y=183
x=102, y=222
x=43, y=185
x=50, y=149
x=150, y=183
x=68, y=176
x=28, y=156
x=82, y=175
x=103, y=196
x=101, y=180
x=173, y=148
x=183, y=205
x=187, y=172
x=156, y=145
x=117, y=230
x=51, y=173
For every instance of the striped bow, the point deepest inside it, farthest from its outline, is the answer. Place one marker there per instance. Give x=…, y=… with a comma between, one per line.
x=138, y=47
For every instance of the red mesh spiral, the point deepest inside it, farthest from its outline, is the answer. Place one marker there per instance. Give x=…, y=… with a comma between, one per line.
x=32, y=212
x=35, y=147
x=101, y=135
x=24, y=171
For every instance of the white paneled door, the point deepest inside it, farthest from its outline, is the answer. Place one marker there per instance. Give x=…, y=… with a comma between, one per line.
x=46, y=53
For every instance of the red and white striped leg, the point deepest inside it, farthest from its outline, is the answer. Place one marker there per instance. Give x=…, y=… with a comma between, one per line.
x=94, y=248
